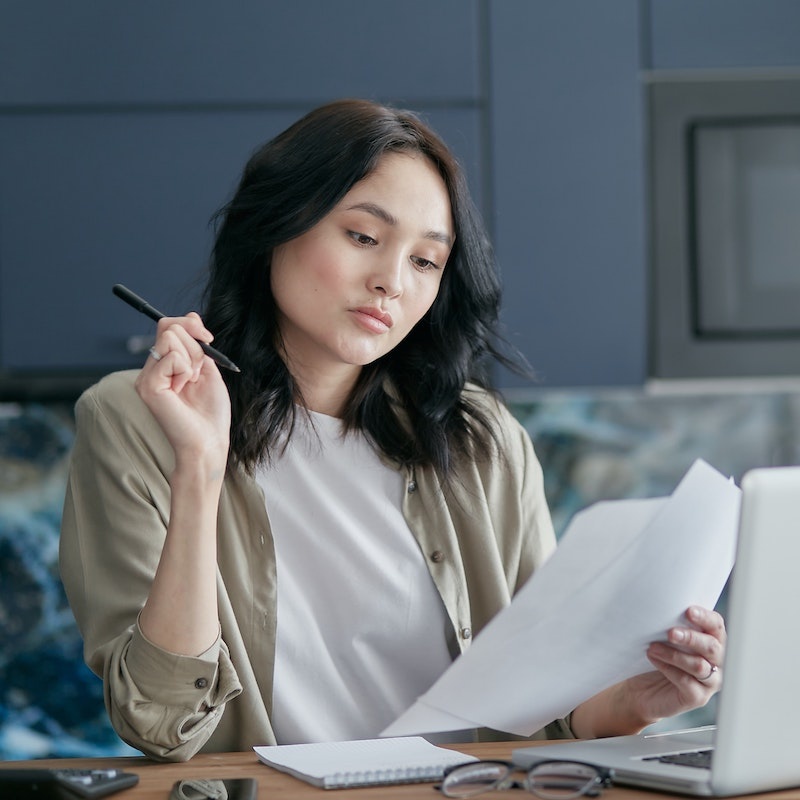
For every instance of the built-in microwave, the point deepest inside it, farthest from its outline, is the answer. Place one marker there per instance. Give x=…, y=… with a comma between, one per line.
x=724, y=225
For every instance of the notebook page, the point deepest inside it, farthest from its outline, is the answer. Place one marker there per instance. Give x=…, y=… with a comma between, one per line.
x=362, y=762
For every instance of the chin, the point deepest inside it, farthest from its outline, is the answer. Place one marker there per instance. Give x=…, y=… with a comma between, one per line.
x=362, y=358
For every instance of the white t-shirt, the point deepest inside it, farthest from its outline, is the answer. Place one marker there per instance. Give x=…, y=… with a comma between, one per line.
x=362, y=630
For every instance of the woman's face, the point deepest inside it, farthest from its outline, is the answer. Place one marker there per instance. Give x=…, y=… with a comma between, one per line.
x=353, y=286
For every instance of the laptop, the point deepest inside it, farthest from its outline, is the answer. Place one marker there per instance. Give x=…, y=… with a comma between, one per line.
x=755, y=744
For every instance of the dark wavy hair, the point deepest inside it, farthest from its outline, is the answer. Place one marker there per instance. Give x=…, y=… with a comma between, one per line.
x=411, y=403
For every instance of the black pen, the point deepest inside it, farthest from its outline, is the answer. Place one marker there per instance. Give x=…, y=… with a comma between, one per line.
x=133, y=299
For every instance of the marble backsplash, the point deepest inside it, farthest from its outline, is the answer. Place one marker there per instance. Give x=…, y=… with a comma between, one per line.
x=593, y=446
x=50, y=703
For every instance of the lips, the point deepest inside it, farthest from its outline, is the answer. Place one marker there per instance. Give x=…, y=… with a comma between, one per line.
x=383, y=317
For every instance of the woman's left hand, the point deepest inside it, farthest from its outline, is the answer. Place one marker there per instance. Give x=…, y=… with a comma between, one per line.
x=688, y=671
x=688, y=664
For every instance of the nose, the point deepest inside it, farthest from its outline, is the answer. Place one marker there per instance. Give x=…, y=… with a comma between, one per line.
x=387, y=275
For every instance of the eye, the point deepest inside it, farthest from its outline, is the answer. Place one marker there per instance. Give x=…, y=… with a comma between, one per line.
x=362, y=238
x=423, y=264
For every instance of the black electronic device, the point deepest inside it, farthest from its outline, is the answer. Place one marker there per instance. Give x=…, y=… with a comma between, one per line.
x=63, y=784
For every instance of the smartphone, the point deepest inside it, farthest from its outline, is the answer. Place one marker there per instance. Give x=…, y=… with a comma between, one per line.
x=63, y=784
x=215, y=789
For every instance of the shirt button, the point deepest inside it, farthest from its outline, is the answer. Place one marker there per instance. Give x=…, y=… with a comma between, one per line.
x=437, y=556
x=412, y=487
x=466, y=633
x=201, y=683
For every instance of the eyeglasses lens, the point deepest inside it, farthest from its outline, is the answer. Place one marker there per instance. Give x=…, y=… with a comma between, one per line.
x=473, y=779
x=562, y=780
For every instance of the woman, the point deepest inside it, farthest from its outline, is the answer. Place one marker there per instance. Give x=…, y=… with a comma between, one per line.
x=296, y=552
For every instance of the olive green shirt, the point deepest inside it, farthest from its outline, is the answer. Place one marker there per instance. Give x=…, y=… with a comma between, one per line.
x=483, y=535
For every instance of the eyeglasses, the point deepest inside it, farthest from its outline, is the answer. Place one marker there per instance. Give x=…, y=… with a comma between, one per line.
x=550, y=780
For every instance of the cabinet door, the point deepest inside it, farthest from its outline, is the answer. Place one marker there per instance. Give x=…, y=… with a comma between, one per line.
x=120, y=198
x=722, y=34
x=111, y=175
x=204, y=51
x=568, y=176
x=93, y=199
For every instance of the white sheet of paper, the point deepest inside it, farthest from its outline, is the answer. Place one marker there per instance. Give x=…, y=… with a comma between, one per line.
x=624, y=572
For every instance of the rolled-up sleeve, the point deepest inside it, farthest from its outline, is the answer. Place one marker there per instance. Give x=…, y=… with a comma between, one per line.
x=165, y=703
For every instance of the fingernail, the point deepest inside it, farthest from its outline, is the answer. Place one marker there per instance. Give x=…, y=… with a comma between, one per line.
x=678, y=635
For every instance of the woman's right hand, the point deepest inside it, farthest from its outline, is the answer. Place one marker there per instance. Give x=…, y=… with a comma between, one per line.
x=186, y=394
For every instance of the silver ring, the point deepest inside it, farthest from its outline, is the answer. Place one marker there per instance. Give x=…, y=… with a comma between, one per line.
x=155, y=354
x=714, y=668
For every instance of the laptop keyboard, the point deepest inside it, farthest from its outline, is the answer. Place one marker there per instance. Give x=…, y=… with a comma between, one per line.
x=694, y=758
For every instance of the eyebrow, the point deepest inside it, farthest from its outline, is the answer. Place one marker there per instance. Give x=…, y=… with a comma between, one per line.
x=382, y=214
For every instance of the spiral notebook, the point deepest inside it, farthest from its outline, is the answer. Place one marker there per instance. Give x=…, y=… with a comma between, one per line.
x=364, y=762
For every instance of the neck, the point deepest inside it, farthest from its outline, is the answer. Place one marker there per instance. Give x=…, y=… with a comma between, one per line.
x=327, y=394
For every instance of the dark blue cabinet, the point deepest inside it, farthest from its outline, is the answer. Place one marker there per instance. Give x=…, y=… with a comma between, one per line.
x=124, y=126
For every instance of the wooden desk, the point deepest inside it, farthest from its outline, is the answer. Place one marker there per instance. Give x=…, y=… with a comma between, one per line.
x=156, y=779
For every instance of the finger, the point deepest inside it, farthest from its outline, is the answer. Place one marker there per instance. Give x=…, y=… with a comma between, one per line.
x=191, y=323
x=706, y=636
x=712, y=672
x=195, y=326
x=697, y=667
x=184, y=334
x=692, y=692
x=176, y=336
x=696, y=645
x=706, y=672
x=175, y=359
x=710, y=622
